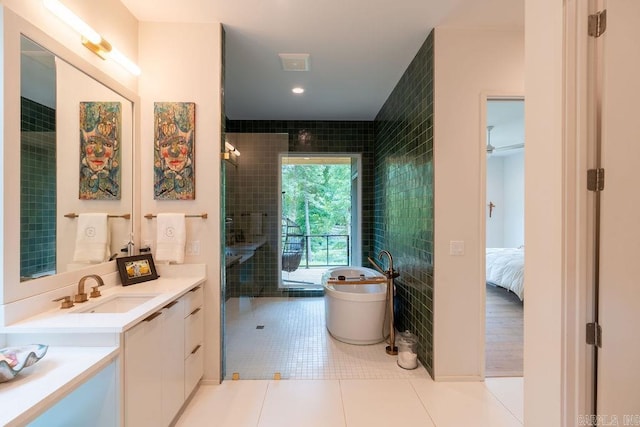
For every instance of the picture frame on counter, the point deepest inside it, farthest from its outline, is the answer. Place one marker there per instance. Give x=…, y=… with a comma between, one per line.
x=136, y=269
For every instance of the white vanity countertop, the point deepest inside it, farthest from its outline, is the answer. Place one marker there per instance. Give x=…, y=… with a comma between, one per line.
x=163, y=290
x=38, y=387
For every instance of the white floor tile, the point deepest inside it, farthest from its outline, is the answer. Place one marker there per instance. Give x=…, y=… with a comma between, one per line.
x=302, y=403
x=382, y=403
x=232, y=403
x=289, y=336
x=457, y=404
x=328, y=383
x=510, y=392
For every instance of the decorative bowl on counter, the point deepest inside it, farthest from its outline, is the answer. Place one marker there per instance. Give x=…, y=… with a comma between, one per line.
x=15, y=359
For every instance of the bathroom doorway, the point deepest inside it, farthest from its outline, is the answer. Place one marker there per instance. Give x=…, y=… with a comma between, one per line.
x=320, y=216
x=504, y=232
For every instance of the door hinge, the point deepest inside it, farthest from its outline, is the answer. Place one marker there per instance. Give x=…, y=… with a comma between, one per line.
x=594, y=334
x=598, y=23
x=595, y=179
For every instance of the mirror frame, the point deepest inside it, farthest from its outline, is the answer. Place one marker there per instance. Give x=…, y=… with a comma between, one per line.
x=13, y=28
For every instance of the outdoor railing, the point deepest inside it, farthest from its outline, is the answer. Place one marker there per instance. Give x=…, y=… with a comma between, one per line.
x=335, y=248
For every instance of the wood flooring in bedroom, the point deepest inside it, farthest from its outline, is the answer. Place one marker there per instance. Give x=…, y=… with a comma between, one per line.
x=504, y=336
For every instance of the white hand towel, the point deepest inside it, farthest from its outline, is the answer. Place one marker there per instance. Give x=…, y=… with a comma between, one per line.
x=171, y=238
x=92, y=238
x=255, y=224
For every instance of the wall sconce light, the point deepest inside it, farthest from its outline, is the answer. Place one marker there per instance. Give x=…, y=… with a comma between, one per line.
x=90, y=38
x=230, y=154
x=231, y=149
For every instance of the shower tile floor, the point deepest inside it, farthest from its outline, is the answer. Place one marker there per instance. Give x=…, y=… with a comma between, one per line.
x=266, y=336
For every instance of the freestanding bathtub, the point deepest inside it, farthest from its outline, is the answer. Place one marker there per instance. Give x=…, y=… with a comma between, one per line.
x=355, y=313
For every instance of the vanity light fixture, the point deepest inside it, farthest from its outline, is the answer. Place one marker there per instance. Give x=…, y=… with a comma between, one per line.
x=297, y=90
x=90, y=37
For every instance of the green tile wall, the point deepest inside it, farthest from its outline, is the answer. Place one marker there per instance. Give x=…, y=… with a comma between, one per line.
x=403, y=221
x=38, y=195
x=311, y=137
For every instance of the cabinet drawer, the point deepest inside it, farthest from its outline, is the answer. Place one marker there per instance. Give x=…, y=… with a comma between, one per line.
x=193, y=370
x=193, y=331
x=193, y=299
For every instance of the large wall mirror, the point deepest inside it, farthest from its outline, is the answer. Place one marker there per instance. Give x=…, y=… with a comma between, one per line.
x=76, y=157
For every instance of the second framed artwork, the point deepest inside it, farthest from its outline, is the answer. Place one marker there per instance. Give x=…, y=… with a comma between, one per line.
x=136, y=269
x=174, y=151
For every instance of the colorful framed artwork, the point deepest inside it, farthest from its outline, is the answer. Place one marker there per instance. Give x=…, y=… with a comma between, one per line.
x=100, y=137
x=136, y=269
x=174, y=151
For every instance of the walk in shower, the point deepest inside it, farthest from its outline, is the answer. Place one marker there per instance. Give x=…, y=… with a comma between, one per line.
x=273, y=299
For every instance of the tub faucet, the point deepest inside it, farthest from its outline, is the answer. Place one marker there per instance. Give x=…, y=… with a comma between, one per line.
x=82, y=295
x=391, y=349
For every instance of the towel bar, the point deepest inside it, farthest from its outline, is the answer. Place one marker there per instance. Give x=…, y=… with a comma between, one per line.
x=75, y=215
x=203, y=216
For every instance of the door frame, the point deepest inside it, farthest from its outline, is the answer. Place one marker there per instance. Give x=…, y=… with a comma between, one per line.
x=483, y=99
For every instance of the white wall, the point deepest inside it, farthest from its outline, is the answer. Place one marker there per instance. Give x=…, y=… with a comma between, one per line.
x=544, y=212
x=514, y=200
x=470, y=64
x=505, y=188
x=184, y=64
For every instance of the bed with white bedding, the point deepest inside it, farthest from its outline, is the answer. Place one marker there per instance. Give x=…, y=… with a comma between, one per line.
x=505, y=268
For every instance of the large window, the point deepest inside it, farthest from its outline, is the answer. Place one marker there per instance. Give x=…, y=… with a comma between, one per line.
x=317, y=205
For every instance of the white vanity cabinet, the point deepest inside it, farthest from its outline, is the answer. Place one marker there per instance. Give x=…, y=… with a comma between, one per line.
x=172, y=360
x=194, y=337
x=163, y=361
x=143, y=372
x=146, y=359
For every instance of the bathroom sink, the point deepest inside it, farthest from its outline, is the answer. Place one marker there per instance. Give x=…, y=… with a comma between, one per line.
x=116, y=304
x=232, y=259
x=246, y=246
x=241, y=255
x=253, y=245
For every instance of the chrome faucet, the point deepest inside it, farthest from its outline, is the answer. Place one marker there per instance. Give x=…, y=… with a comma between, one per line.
x=82, y=296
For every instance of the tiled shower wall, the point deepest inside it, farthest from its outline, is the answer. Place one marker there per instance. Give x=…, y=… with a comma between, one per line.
x=38, y=189
x=404, y=223
x=301, y=137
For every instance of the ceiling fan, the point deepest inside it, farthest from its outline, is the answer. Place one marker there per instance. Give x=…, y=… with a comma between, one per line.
x=491, y=148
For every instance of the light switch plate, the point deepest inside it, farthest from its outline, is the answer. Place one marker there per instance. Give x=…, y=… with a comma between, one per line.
x=456, y=247
x=193, y=247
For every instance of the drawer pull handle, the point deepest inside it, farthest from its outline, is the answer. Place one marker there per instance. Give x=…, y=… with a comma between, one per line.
x=153, y=316
x=196, y=349
x=171, y=304
x=194, y=311
x=194, y=289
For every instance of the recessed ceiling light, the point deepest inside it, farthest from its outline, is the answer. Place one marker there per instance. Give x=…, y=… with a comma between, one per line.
x=297, y=90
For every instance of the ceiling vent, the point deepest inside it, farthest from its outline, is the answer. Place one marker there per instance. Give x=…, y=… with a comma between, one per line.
x=294, y=61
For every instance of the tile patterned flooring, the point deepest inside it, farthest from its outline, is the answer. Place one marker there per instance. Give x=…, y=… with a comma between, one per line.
x=331, y=383
x=356, y=403
x=265, y=336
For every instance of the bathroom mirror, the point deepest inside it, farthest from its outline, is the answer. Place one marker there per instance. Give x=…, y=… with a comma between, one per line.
x=56, y=144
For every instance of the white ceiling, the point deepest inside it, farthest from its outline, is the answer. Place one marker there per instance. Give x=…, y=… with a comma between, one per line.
x=359, y=48
x=507, y=118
